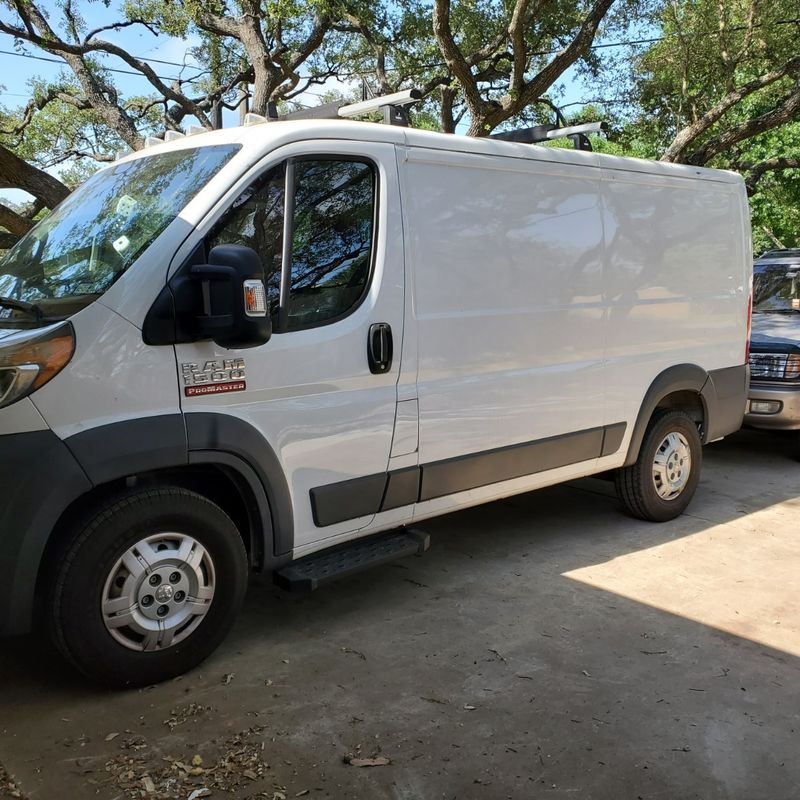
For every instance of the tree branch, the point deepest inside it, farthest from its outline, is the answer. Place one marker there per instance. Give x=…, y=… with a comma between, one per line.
x=690, y=133
x=579, y=45
x=759, y=170
x=18, y=174
x=7, y=240
x=13, y=222
x=781, y=115
x=454, y=58
x=73, y=54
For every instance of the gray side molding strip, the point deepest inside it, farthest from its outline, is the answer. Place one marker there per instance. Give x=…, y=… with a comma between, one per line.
x=359, y=497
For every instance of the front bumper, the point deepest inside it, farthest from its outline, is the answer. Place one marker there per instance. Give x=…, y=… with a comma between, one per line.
x=39, y=478
x=786, y=415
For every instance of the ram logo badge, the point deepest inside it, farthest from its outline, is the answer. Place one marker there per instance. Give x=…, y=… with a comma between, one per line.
x=213, y=377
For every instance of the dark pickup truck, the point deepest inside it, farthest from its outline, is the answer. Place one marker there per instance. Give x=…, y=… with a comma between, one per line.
x=774, y=399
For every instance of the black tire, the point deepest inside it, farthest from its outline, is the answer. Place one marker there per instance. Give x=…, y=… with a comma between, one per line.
x=81, y=582
x=635, y=484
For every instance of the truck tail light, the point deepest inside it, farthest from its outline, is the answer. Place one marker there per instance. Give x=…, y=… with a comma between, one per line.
x=29, y=363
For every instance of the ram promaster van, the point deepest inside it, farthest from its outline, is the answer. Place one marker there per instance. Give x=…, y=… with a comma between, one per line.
x=277, y=348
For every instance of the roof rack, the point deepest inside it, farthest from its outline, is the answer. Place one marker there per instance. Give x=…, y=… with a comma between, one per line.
x=395, y=112
x=392, y=105
x=546, y=133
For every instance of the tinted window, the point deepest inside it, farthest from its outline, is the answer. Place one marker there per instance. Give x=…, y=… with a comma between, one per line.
x=256, y=220
x=776, y=287
x=331, y=240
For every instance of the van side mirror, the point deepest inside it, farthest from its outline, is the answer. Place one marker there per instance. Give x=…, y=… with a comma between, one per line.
x=233, y=297
x=224, y=300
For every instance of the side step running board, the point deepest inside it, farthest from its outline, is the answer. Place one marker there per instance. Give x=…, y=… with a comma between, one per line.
x=310, y=572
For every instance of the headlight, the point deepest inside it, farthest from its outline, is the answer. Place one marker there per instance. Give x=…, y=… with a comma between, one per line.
x=775, y=366
x=30, y=362
x=792, y=370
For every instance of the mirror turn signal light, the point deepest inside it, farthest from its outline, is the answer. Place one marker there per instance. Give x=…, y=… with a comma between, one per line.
x=255, y=298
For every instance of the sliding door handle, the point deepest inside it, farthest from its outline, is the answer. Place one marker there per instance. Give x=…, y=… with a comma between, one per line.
x=379, y=348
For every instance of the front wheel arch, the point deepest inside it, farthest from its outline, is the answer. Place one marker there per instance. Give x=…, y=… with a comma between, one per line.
x=222, y=480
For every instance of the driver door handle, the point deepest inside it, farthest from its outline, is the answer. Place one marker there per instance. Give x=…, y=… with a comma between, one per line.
x=379, y=348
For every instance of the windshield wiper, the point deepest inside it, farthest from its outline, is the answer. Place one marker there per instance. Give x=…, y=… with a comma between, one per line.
x=31, y=309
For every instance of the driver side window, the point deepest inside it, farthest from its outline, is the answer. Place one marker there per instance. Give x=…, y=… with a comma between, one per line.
x=332, y=231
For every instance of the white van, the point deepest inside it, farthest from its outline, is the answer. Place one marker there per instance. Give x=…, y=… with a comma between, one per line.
x=274, y=348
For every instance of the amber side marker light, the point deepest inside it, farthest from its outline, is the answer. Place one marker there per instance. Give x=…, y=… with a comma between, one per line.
x=28, y=364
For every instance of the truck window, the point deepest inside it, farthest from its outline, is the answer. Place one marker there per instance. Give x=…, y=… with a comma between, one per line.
x=332, y=235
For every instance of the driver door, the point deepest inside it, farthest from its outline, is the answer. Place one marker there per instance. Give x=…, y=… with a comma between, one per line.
x=332, y=274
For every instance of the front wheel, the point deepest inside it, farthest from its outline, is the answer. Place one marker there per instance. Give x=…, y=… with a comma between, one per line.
x=662, y=482
x=148, y=587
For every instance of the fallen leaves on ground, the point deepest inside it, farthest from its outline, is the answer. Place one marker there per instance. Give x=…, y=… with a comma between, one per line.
x=378, y=761
x=183, y=714
x=8, y=788
x=239, y=764
x=354, y=652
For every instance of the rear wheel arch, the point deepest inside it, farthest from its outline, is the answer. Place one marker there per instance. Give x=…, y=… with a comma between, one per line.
x=679, y=388
x=661, y=483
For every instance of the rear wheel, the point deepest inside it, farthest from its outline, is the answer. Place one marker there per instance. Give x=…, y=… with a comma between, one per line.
x=662, y=482
x=148, y=588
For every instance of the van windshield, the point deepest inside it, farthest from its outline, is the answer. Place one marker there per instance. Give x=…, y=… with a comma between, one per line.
x=776, y=288
x=75, y=253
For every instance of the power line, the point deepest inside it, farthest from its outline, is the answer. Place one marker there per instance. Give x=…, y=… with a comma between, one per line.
x=601, y=46
x=110, y=69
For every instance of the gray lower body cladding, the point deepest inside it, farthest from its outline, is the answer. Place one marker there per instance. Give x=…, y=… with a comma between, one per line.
x=39, y=478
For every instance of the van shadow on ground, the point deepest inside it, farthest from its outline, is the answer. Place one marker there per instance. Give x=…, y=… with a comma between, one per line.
x=545, y=646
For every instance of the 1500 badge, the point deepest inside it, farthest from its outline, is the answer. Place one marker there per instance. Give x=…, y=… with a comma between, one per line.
x=213, y=377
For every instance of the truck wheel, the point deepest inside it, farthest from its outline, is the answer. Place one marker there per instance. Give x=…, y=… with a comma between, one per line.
x=662, y=482
x=149, y=586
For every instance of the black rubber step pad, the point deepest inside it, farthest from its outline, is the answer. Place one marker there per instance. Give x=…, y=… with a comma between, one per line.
x=310, y=572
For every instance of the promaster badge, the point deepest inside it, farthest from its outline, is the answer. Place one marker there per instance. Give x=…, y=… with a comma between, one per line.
x=213, y=377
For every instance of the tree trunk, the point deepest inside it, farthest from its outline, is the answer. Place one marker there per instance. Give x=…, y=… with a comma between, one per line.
x=18, y=174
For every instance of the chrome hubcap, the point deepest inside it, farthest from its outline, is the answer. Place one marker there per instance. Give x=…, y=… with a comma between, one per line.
x=672, y=466
x=158, y=592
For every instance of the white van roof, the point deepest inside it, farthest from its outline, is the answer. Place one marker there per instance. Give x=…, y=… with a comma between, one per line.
x=265, y=136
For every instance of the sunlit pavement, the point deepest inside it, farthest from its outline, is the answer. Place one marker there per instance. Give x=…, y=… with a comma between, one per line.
x=546, y=646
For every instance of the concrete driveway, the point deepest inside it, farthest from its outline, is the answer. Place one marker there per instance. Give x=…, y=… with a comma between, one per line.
x=546, y=646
